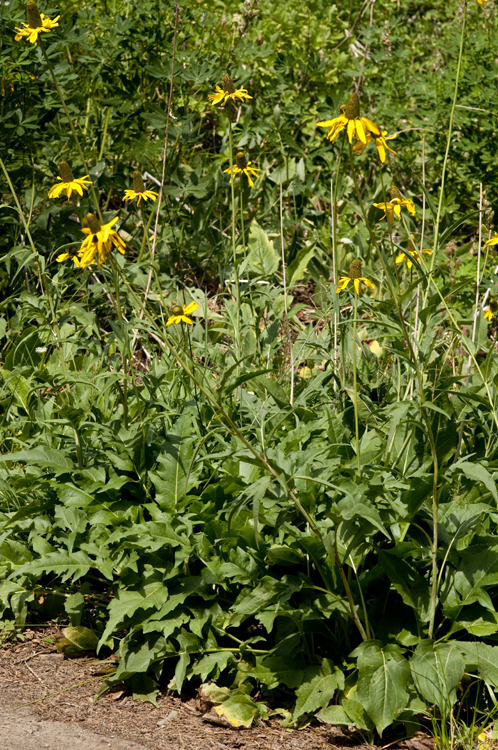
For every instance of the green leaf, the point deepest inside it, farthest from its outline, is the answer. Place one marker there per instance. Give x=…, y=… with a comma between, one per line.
x=54, y=460
x=478, y=473
x=484, y=657
x=357, y=714
x=295, y=271
x=262, y=259
x=63, y=564
x=334, y=715
x=84, y=638
x=437, y=670
x=317, y=690
x=383, y=676
x=241, y=711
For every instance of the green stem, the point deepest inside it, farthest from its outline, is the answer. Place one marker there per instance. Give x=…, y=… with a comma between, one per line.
x=448, y=144
x=423, y=409
x=235, y=272
x=355, y=385
x=73, y=131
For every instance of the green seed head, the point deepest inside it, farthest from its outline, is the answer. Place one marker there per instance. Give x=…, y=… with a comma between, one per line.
x=228, y=86
x=394, y=193
x=92, y=223
x=34, y=18
x=240, y=160
x=177, y=310
x=65, y=172
x=355, y=269
x=352, y=108
x=138, y=183
x=410, y=247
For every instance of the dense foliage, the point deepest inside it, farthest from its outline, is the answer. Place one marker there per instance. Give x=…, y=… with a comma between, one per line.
x=288, y=497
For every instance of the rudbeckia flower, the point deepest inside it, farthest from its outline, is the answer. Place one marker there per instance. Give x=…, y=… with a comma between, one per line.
x=358, y=127
x=393, y=207
x=139, y=190
x=355, y=276
x=68, y=183
x=179, y=314
x=490, y=309
x=228, y=92
x=99, y=240
x=73, y=253
x=242, y=166
x=492, y=241
x=410, y=253
x=380, y=142
x=36, y=24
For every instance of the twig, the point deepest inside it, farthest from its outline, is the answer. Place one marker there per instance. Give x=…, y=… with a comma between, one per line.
x=32, y=672
x=59, y=692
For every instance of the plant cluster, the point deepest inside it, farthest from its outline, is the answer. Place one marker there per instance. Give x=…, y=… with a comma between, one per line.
x=249, y=414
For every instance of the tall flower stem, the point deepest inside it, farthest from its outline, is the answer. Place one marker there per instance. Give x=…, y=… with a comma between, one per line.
x=335, y=255
x=423, y=409
x=448, y=144
x=355, y=384
x=71, y=125
x=289, y=338
x=234, y=252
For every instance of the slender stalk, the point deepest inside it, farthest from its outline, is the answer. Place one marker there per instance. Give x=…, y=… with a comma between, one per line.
x=355, y=384
x=425, y=415
x=234, y=253
x=163, y=176
x=71, y=125
x=448, y=144
x=286, y=311
x=104, y=134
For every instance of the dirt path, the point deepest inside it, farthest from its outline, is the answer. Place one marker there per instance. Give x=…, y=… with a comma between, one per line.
x=71, y=720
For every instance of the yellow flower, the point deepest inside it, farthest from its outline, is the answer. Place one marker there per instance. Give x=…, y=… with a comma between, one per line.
x=99, y=240
x=409, y=253
x=490, y=309
x=36, y=24
x=139, y=190
x=393, y=207
x=242, y=166
x=73, y=253
x=228, y=92
x=68, y=183
x=492, y=241
x=380, y=142
x=355, y=276
x=179, y=314
x=358, y=127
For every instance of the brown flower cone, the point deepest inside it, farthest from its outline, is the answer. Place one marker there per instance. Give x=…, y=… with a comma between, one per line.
x=65, y=172
x=138, y=183
x=34, y=18
x=92, y=223
x=228, y=86
x=355, y=269
x=394, y=192
x=352, y=108
x=240, y=160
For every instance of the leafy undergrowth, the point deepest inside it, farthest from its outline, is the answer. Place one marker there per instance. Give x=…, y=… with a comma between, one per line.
x=246, y=468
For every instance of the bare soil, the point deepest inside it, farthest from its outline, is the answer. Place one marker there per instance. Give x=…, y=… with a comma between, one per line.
x=62, y=713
